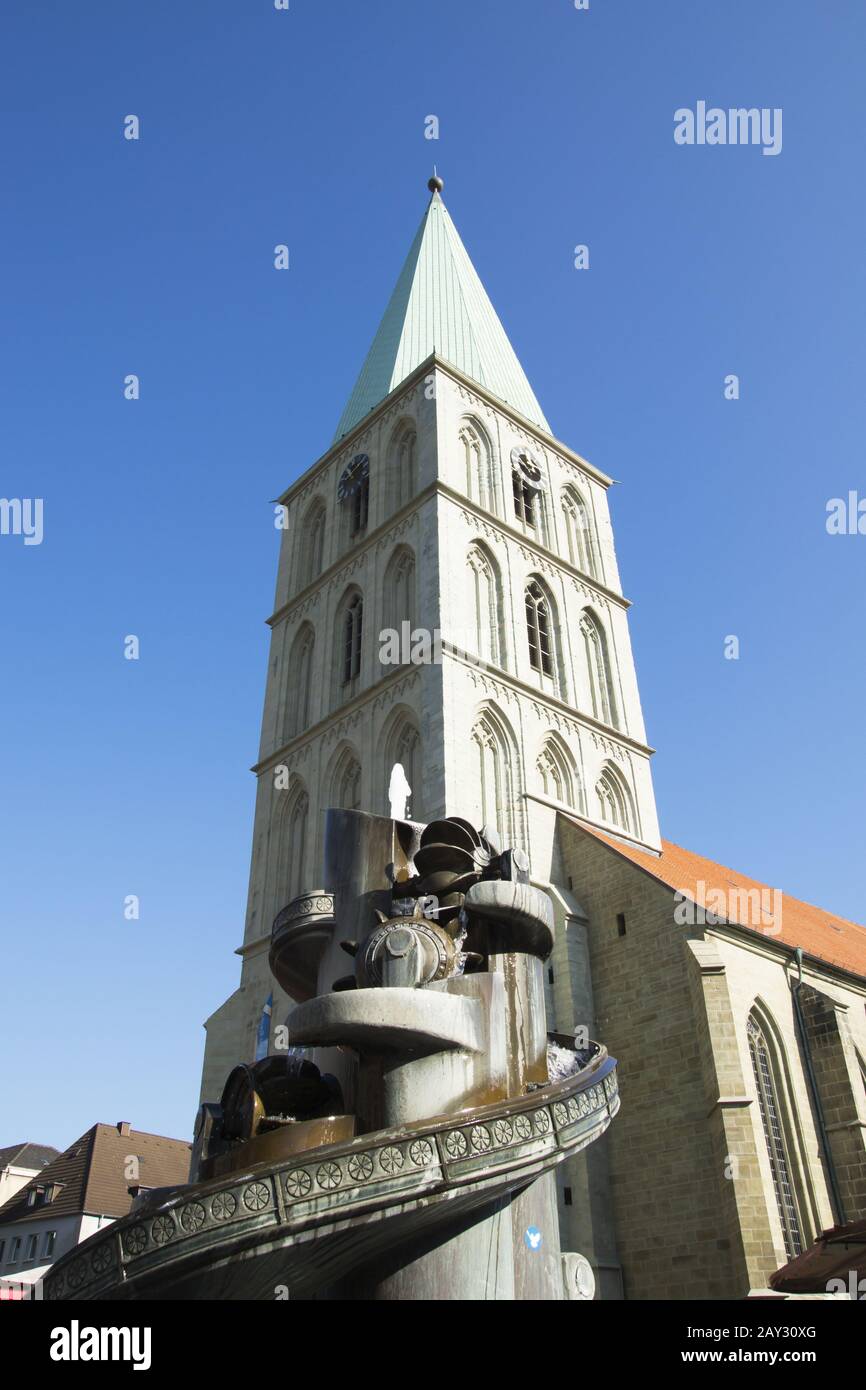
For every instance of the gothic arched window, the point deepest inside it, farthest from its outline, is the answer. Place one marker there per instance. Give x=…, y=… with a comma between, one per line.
x=403, y=466
x=312, y=543
x=614, y=801
x=407, y=752
x=400, y=742
x=525, y=499
x=579, y=533
x=300, y=671
x=554, y=767
x=477, y=463
x=353, y=490
x=493, y=782
x=346, y=794
x=352, y=624
x=538, y=629
x=773, y=1123
x=598, y=670
x=400, y=589
x=360, y=507
x=292, y=847
x=486, y=621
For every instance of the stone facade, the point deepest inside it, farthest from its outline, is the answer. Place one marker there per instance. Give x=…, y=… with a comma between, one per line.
x=445, y=512
x=691, y=1188
x=479, y=728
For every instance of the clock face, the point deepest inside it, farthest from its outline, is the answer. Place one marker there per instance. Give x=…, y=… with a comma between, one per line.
x=525, y=460
x=353, y=476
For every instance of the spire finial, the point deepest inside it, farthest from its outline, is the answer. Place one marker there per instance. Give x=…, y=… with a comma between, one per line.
x=435, y=184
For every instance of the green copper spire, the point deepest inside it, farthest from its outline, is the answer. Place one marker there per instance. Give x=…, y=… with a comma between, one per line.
x=439, y=304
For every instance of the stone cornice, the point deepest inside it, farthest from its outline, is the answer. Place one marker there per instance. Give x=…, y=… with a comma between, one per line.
x=393, y=684
x=511, y=533
x=303, y=599
x=748, y=938
x=730, y=1103
x=548, y=441
x=587, y=822
x=512, y=684
x=352, y=558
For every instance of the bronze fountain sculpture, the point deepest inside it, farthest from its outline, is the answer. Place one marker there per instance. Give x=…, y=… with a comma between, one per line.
x=412, y=1158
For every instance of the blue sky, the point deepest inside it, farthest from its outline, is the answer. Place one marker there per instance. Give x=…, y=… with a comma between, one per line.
x=156, y=257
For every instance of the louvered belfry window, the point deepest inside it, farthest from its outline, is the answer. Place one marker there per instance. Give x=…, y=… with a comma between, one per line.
x=360, y=503
x=538, y=629
x=774, y=1136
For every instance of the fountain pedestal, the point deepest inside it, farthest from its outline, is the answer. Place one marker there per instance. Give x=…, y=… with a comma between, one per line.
x=403, y=1146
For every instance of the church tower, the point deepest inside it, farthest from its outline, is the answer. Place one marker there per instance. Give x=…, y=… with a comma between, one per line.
x=447, y=598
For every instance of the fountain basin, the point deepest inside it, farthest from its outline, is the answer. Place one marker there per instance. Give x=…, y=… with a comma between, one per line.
x=306, y=1222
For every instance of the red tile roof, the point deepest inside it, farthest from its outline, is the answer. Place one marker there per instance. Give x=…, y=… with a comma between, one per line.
x=839, y=1253
x=821, y=934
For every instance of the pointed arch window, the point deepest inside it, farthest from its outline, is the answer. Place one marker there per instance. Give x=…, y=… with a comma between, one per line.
x=494, y=804
x=477, y=463
x=555, y=773
x=486, y=607
x=580, y=534
x=525, y=499
x=360, y=507
x=353, y=491
x=400, y=588
x=352, y=628
x=614, y=801
x=598, y=671
x=312, y=543
x=347, y=790
x=401, y=743
x=300, y=675
x=407, y=752
x=404, y=465
x=772, y=1122
x=538, y=629
x=293, y=849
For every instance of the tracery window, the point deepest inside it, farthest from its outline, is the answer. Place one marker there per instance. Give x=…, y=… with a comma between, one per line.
x=555, y=773
x=300, y=671
x=614, y=801
x=400, y=588
x=579, y=533
x=348, y=791
x=493, y=780
x=352, y=627
x=486, y=607
x=353, y=491
x=404, y=465
x=769, y=1105
x=525, y=499
x=477, y=465
x=294, y=847
x=538, y=629
x=598, y=670
x=407, y=752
